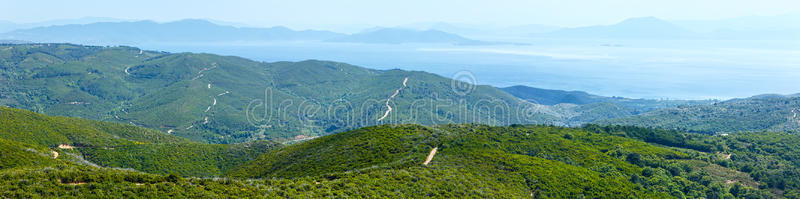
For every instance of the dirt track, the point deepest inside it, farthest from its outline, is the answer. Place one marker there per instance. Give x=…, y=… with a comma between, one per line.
x=388, y=107
x=430, y=156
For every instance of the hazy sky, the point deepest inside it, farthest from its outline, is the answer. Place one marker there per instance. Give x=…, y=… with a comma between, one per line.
x=327, y=13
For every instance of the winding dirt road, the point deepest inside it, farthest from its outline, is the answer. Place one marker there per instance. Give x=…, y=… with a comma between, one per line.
x=388, y=107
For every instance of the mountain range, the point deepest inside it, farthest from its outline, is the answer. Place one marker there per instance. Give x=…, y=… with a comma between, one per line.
x=132, y=32
x=196, y=30
x=398, y=36
x=104, y=31
x=634, y=28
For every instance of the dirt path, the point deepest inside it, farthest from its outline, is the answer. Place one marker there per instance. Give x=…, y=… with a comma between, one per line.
x=430, y=156
x=212, y=105
x=389, y=108
x=200, y=73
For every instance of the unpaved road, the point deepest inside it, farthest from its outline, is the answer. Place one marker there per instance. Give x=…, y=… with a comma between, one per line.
x=389, y=108
x=430, y=156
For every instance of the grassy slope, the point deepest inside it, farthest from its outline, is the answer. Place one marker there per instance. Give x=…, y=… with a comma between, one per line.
x=118, y=145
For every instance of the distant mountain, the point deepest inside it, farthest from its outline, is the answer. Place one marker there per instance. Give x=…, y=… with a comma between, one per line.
x=759, y=113
x=749, y=23
x=6, y=26
x=483, y=31
x=634, y=28
x=190, y=30
x=398, y=36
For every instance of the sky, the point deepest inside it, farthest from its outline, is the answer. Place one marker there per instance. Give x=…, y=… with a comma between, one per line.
x=328, y=13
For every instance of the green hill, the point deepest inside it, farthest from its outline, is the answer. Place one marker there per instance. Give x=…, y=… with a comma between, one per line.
x=115, y=145
x=390, y=161
x=760, y=113
x=595, y=161
x=222, y=99
x=576, y=108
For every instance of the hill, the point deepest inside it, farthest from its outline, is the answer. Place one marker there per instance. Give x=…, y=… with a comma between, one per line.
x=222, y=99
x=553, y=97
x=633, y=28
x=441, y=161
x=115, y=145
x=577, y=107
x=399, y=35
x=759, y=113
x=518, y=161
x=188, y=30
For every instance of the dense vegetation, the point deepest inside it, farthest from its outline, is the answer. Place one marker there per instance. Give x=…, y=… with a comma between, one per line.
x=577, y=107
x=593, y=161
x=221, y=99
x=760, y=113
x=116, y=145
x=224, y=99
x=472, y=161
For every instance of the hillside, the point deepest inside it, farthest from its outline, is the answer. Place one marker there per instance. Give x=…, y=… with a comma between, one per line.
x=633, y=28
x=223, y=99
x=117, y=145
x=759, y=113
x=528, y=160
x=441, y=161
x=553, y=97
x=578, y=107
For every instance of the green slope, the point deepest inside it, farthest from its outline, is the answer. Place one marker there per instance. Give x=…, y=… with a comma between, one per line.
x=775, y=113
x=387, y=161
x=577, y=107
x=475, y=160
x=223, y=99
x=116, y=145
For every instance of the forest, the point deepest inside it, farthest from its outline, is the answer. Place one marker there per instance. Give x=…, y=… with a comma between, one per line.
x=517, y=161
